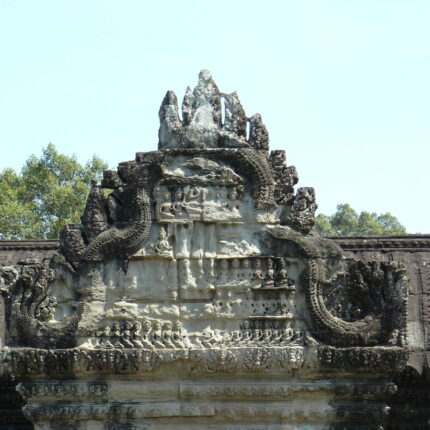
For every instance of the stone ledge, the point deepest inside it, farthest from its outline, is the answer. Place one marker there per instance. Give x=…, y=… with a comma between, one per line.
x=418, y=242
x=28, y=363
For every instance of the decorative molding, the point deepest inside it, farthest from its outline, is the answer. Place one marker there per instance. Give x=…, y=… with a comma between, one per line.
x=410, y=242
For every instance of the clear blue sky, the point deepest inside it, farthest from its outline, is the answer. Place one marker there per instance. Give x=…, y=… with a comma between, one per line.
x=342, y=85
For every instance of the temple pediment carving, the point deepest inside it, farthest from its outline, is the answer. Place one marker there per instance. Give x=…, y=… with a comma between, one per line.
x=199, y=260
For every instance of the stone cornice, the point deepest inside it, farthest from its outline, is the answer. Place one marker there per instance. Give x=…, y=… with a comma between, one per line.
x=410, y=242
x=38, y=244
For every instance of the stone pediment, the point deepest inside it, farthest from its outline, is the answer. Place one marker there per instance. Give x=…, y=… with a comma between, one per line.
x=200, y=257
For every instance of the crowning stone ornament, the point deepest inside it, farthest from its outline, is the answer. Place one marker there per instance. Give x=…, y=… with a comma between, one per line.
x=197, y=295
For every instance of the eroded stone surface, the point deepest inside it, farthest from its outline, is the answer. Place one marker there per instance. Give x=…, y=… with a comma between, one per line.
x=197, y=295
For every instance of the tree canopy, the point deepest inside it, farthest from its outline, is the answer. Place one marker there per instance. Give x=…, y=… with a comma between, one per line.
x=49, y=192
x=347, y=222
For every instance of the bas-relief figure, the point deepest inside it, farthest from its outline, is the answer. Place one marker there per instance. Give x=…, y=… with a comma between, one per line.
x=198, y=295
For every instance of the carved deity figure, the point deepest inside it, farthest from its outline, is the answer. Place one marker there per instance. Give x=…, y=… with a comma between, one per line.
x=298, y=337
x=267, y=334
x=146, y=335
x=302, y=214
x=94, y=219
x=162, y=246
x=157, y=335
x=256, y=332
x=104, y=337
x=166, y=208
x=258, y=274
x=235, y=337
x=233, y=194
x=394, y=337
x=167, y=335
x=246, y=333
x=194, y=194
x=270, y=274
x=135, y=337
x=285, y=177
x=244, y=272
x=126, y=335
x=211, y=269
x=287, y=334
x=281, y=280
x=280, y=308
x=233, y=205
x=193, y=203
x=115, y=337
x=178, y=204
x=114, y=201
x=213, y=338
x=177, y=338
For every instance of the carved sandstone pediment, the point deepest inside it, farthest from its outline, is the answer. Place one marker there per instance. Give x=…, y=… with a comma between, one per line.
x=203, y=245
x=196, y=294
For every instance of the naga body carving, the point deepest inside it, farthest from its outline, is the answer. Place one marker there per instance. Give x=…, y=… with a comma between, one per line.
x=351, y=303
x=26, y=288
x=246, y=161
x=113, y=226
x=370, y=309
x=255, y=166
x=128, y=238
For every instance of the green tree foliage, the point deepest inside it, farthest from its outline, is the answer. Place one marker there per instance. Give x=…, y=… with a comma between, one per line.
x=347, y=222
x=49, y=192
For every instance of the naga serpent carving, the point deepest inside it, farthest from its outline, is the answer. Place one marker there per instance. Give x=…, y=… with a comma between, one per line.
x=247, y=162
x=126, y=239
x=369, y=330
x=26, y=288
x=121, y=238
x=257, y=169
x=382, y=285
x=27, y=285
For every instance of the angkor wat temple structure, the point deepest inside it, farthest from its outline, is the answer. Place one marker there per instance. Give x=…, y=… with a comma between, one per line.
x=195, y=294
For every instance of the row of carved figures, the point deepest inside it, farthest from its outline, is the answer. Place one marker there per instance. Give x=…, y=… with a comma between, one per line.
x=148, y=335
x=250, y=335
x=274, y=276
x=191, y=201
x=169, y=335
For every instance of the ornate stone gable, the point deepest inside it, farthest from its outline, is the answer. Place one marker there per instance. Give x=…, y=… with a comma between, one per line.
x=196, y=279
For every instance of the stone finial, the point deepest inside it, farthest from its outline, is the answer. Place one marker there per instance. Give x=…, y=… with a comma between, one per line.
x=235, y=117
x=170, y=125
x=258, y=134
x=202, y=124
